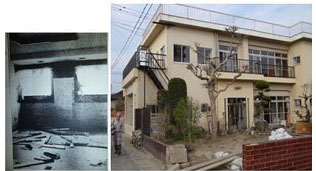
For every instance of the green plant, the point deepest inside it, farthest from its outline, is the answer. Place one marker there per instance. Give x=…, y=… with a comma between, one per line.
x=261, y=99
x=162, y=99
x=187, y=115
x=177, y=89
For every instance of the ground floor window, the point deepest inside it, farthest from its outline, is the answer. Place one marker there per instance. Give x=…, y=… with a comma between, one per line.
x=277, y=109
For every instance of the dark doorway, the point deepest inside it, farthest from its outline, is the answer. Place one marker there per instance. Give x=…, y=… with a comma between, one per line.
x=142, y=120
x=236, y=114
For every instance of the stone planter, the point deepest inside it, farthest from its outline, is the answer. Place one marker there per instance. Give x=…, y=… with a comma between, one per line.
x=303, y=127
x=176, y=154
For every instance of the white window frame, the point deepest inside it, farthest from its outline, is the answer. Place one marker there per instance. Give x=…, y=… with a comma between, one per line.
x=181, y=56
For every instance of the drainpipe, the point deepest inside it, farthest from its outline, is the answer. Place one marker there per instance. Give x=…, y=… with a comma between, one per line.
x=142, y=116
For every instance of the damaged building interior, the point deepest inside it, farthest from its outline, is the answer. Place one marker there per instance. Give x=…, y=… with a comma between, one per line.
x=57, y=100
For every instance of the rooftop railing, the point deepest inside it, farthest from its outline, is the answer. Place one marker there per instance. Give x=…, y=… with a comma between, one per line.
x=204, y=15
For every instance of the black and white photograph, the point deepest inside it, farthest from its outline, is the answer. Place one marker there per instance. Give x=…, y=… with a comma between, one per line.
x=57, y=100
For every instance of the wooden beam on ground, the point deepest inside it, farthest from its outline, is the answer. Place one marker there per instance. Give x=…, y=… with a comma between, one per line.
x=27, y=141
x=32, y=163
x=54, y=146
x=211, y=162
x=31, y=134
x=47, y=139
x=220, y=163
x=97, y=146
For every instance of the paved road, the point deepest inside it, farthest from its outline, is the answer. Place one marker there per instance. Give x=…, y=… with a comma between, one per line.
x=134, y=159
x=122, y=162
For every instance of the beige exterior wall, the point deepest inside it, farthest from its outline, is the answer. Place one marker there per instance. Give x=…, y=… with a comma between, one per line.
x=303, y=71
x=170, y=35
x=240, y=89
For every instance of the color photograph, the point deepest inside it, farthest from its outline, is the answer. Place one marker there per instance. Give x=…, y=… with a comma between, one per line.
x=211, y=86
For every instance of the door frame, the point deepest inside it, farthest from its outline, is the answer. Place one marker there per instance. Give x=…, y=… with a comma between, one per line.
x=227, y=114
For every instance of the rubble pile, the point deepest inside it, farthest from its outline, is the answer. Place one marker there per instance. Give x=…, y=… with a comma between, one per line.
x=279, y=134
x=220, y=154
x=236, y=164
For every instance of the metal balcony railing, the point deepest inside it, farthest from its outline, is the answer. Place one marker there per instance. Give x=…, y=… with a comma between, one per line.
x=204, y=15
x=255, y=67
x=142, y=58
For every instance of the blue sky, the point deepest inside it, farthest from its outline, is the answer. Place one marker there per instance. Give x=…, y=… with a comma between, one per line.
x=124, y=17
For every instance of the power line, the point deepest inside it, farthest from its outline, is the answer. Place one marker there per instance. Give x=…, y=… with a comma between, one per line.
x=125, y=25
x=141, y=24
x=126, y=29
x=127, y=8
x=130, y=38
x=130, y=13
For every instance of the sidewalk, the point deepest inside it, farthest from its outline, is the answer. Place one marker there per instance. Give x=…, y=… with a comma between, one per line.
x=134, y=159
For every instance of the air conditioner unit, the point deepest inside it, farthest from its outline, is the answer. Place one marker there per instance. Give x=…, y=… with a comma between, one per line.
x=143, y=59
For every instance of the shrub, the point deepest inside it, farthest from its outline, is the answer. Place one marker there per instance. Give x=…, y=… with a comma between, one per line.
x=177, y=89
x=187, y=115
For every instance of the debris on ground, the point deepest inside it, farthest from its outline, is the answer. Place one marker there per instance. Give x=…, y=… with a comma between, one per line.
x=51, y=157
x=236, y=164
x=28, y=146
x=97, y=164
x=33, y=141
x=26, y=141
x=212, y=164
x=136, y=138
x=279, y=134
x=220, y=154
x=30, y=134
x=48, y=168
x=67, y=131
x=53, y=146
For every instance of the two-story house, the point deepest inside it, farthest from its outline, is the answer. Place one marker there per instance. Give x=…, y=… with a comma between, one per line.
x=281, y=55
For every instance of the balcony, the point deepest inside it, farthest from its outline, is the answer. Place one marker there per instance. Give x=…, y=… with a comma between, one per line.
x=255, y=67
x=144, y=59
x=223, y=19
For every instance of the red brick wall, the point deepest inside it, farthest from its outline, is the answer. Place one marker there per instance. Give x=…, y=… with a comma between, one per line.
x=286, y=154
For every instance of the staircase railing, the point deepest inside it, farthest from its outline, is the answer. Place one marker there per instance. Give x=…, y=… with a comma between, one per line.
x=158, y=65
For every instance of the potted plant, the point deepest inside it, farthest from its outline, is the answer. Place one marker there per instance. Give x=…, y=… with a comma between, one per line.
x=304, y=126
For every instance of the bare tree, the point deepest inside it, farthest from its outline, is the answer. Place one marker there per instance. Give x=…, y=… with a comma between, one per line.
x=211, y=73
x=307, y=104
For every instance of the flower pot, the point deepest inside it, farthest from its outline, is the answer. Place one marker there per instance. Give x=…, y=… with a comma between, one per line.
x=303, y=127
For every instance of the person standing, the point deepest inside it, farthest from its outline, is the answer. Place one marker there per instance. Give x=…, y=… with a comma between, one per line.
x=117, y=131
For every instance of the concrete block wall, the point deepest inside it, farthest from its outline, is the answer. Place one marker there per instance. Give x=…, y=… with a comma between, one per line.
x=287, y=154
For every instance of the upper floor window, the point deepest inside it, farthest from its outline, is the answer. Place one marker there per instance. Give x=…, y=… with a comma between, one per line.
x=297, y=60
x=230, y=55
x=204, y=54
x=181, y=53
x=269, y=63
